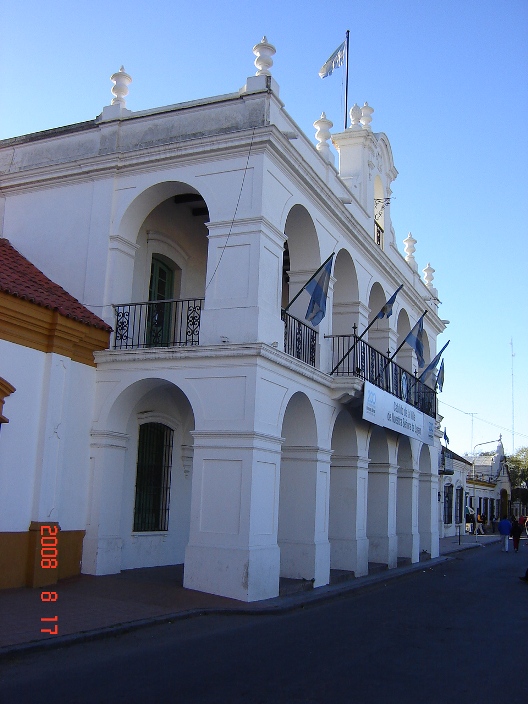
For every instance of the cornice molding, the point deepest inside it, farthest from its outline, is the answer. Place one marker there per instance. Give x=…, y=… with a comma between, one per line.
x=29, y=325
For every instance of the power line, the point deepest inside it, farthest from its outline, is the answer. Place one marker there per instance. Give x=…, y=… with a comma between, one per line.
x=488, y=422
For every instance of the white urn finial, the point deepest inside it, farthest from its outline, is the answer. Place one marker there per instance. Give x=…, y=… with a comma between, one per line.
x=322, y=135
x=366, y=116
x=122, y=80
x=355, y=117
x=264, y=51
x=428, y=275
x=410, y=249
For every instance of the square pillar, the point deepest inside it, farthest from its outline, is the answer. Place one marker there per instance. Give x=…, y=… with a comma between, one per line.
x=407, y=515
x=103, y=541
x=381, y=516
x=349, y=545
x=303, y=514
x=232, y=548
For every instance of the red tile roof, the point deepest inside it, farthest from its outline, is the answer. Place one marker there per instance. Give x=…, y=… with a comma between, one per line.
x=18, y=277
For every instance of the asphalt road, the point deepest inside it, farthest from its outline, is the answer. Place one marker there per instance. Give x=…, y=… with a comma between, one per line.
x=455, y=633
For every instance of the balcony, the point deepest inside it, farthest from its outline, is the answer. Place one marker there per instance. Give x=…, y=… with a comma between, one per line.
x=300, y=340
x=367, y=363
x=171, y=323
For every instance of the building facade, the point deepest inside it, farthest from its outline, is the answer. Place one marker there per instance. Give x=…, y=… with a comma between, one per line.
x=488, y=487
x=218, y=429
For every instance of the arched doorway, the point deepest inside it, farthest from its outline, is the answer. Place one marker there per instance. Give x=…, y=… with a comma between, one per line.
x=303, y=497
x=142, y=480
x=347, y=531
x=381, y=507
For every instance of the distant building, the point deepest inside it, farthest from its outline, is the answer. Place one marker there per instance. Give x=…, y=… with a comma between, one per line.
x=488, y=486
x=452, y=493
x=214, y=428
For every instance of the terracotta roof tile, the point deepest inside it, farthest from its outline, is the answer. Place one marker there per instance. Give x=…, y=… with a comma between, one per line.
x=18, y=277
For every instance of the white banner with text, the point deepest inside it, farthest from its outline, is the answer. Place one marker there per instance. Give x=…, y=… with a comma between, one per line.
x=382, y=408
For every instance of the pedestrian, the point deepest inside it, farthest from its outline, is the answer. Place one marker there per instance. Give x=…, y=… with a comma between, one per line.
x=515, y=533
x=480, y=529
x=505, y=529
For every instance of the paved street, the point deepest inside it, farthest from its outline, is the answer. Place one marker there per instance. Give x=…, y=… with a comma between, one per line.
x=452, y=632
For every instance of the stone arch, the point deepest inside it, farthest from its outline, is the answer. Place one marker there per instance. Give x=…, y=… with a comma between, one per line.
x=378, y=335
x=168, y=220
x=302, y=256
x=345, y=307
x=348, y=499
x=404, y=358
x=381, y=511
x=407, y=503
x=111, y=542
x=303, y=497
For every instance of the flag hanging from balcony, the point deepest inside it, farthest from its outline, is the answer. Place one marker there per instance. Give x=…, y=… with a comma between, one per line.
x=440, y=377
x=335, y=61
x=415, y=340
x=429, y=370
x=386, y=311
x=317, y=287
x=445, y=437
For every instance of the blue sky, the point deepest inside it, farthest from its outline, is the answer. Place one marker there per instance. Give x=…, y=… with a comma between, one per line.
x=448, y=82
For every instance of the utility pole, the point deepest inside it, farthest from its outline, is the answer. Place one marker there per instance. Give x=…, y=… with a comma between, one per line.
x=513, y=407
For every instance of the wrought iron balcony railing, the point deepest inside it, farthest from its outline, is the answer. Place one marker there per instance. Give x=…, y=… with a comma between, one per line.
x=367, y=363
x=300, y=340
x=171, y=323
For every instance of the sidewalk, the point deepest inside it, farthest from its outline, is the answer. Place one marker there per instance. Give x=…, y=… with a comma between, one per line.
x=91, y=607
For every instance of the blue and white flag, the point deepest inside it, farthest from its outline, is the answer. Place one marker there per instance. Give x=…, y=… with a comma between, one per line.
x=317, y=287
x=445, y=437
x=429, y=370
x=335, y=61
x=440, y=377
x=415, y=340
x=386, y=311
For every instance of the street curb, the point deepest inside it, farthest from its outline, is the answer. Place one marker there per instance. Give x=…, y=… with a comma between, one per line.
x=290, y=603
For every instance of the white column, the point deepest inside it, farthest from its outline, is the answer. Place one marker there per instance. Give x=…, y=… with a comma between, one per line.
x=304, y=508
x=428, y=514
x=103, y=541
x=348, y=514
x=232, y=548
x=381, y=517
x=407, y=514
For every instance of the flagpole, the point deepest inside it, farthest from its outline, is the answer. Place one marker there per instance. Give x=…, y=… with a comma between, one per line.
x=310, y=279
x=443, y=348
x=346, y=77
x=402, y=344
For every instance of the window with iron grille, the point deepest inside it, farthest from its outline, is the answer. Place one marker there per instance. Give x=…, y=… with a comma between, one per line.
x=151, y=508
x=448, y=504
x=459, y=505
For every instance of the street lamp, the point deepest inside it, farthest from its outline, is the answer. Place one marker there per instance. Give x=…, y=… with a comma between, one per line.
x=488, y=442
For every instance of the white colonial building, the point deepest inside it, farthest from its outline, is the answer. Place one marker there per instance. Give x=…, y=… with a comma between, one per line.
x=215, y=429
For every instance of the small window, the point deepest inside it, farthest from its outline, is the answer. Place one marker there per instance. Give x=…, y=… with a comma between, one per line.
x=151, y=509
x=448, y=504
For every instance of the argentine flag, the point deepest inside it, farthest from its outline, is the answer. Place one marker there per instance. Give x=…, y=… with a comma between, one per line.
x=335, y=61
x=415, y=340
x=318, y=289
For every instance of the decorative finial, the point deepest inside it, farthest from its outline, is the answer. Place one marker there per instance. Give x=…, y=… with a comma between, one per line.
x=428, y=275
x=264, y=51
x=323, y=125
x=122, y=80
x=355, y=117
x=410, y=249
x=366, y=116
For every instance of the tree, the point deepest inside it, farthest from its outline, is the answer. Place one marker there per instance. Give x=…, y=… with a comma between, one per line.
x=518, y=468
